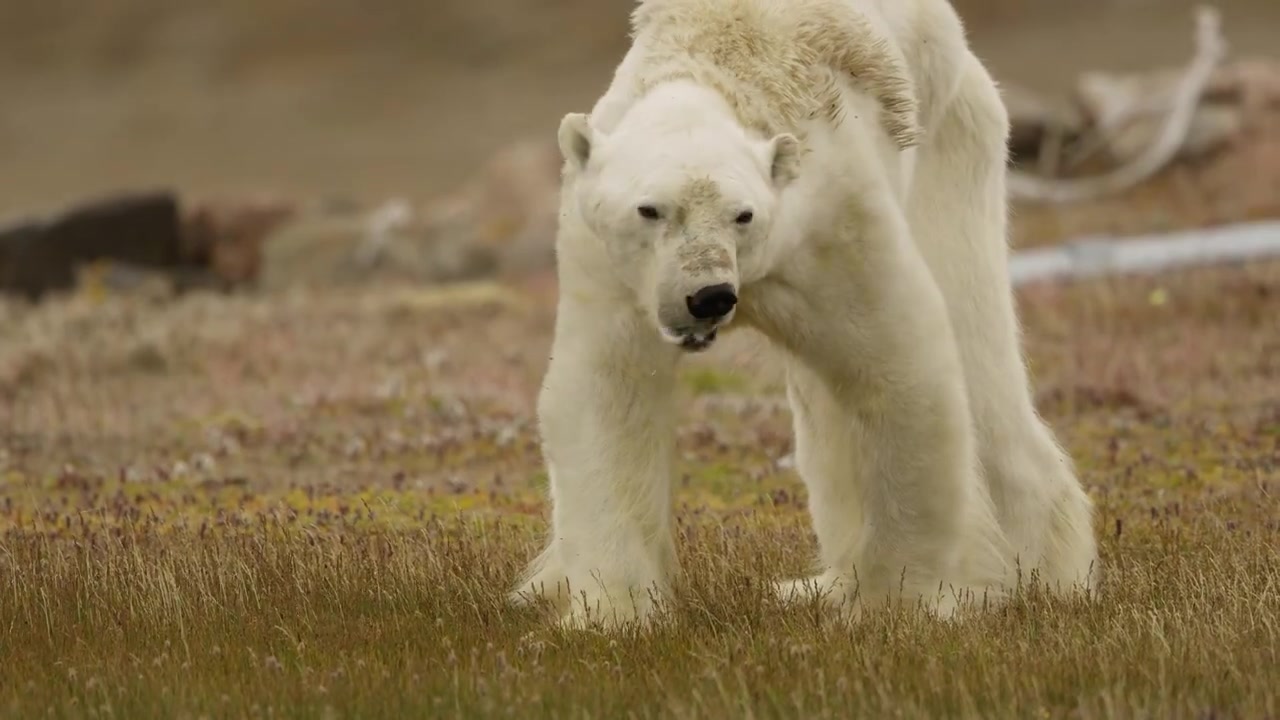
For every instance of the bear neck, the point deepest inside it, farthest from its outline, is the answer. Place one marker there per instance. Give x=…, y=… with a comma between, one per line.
x=781, y=66
x=771, y=78
x=752, y=104
x=679, y=104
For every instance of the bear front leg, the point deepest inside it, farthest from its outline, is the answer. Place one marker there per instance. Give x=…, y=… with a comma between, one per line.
x=884, y=439
x=959, y=216
x=836, y=480
x=894, y=498
x=607, y=419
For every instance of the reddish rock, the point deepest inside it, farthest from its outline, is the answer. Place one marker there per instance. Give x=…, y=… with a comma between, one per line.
x=227, y=235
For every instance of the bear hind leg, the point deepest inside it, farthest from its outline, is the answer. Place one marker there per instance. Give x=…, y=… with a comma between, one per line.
x=885, y=516
x=958, y=210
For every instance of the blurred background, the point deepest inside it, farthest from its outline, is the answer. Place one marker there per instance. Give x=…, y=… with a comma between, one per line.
x=440, y=115
x=408, y=96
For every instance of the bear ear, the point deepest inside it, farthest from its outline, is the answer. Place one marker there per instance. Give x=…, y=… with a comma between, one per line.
x=784, y=153
x=575, y=138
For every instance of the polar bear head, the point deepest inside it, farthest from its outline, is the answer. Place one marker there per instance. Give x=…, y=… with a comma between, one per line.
x=682, y=198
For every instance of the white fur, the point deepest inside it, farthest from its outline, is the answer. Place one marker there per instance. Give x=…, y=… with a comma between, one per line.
x=877, y=264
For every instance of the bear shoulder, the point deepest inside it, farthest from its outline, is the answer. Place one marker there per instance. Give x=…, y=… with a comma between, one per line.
x=778, y=63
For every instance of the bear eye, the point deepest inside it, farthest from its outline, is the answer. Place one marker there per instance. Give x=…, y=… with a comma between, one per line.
x=648, y=212
x=744, y=217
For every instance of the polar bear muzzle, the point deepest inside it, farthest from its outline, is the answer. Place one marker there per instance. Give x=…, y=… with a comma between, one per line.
x=696, y=295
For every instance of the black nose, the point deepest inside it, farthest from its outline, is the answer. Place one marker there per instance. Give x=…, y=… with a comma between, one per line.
x=712, y=302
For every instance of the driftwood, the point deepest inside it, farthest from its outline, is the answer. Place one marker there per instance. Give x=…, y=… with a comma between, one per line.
x=1210, y=51
x=1095, y=257
x=1129, y=112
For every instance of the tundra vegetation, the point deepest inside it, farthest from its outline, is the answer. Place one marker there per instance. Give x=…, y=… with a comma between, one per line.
x=252, y=506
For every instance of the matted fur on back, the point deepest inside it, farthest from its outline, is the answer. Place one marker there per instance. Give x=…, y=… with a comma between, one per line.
x=777, y=62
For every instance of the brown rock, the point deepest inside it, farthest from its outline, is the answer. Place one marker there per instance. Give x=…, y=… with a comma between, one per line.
x=228, y=235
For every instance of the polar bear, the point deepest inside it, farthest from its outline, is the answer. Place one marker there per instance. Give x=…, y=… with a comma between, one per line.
x=830, y=173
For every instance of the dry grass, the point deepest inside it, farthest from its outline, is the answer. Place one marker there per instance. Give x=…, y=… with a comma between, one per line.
x=313, y=506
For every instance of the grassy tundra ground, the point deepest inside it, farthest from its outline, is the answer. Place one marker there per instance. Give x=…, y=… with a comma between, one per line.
x=313, y=506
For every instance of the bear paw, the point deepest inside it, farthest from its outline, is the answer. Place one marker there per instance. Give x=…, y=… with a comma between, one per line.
x=843, y=594
x=832, y=590
x=593, y=605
